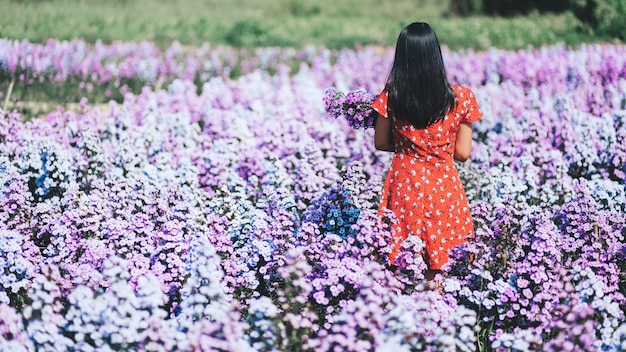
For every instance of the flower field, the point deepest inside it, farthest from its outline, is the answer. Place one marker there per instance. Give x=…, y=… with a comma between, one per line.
x=226, y=211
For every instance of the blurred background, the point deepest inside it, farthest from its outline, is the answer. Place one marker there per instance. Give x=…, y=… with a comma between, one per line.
x=460, y=24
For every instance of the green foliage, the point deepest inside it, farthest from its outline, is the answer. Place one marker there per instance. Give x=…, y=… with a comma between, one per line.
x=466, y=7
x=247, y=33
x=301, y=9
x=533, y=30
x=605, y=16
x=348, y=41
x=285, y=23
x=506, y=7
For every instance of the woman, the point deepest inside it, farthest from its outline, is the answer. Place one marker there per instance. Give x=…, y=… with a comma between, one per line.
x=426, y=122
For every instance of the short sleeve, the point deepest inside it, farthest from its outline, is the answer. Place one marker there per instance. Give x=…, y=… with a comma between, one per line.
x=380, y=103
x=470, y=112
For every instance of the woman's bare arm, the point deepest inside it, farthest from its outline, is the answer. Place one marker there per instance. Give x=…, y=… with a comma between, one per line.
x=383, y=136
x=463, y=145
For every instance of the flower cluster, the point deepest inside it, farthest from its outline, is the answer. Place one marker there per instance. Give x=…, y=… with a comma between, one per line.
x=355, y=107
x=17, y=269
x=227, y=216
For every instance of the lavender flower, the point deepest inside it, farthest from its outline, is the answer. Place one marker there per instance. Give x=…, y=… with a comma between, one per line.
x=355, y=107
x=218, y=212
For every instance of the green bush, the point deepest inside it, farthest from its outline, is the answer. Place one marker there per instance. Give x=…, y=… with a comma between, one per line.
x=299, y=9
x=247, y=33
x=550, y=5
x=466, y=7
x=605, y=16
x=506, y=7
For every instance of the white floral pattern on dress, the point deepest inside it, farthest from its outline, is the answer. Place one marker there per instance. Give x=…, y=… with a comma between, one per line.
x=423, y=187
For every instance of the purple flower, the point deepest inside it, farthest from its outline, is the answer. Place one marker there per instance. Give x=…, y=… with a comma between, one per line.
x=355, y=107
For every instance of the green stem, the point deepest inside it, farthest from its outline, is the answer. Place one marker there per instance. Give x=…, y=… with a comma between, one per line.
x=158, y=84
x=8, y=97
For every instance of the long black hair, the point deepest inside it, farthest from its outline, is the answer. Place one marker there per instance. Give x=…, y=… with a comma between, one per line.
x=419, y=91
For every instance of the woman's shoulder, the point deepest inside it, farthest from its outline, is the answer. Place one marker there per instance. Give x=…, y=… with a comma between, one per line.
x=462, y=92
x=466, y=103
x=457, y=88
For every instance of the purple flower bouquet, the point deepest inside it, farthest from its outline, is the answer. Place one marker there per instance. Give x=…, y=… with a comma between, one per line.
x=355, y=107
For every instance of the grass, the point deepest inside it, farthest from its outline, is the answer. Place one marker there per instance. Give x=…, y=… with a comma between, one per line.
x=256, y=23
x=286, y=23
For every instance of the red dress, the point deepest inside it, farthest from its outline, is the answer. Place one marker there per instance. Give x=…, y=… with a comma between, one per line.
x=423, y=187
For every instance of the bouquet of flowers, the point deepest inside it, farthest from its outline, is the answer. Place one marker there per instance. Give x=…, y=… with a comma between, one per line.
x=355, y=107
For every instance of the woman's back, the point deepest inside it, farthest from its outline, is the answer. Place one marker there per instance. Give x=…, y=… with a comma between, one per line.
x=437, y=141
x=423, y=187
